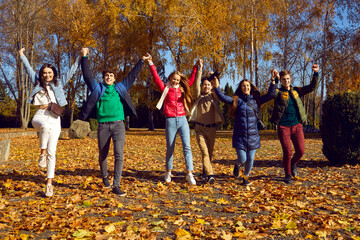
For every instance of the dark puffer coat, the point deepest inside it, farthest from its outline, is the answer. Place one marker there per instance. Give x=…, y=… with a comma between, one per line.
x=246, y=134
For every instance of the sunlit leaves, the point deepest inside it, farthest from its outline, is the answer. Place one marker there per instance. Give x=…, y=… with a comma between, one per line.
x=322, y=203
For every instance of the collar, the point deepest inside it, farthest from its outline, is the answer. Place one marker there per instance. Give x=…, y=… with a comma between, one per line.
x=283, y=89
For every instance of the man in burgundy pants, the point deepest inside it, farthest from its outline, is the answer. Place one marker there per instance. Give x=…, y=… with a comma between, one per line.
x=289, y=114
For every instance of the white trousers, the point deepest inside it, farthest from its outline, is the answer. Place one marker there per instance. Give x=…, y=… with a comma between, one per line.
x=49, y=127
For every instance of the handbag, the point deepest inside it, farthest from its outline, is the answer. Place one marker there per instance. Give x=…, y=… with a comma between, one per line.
x=54, y=107
x=260, y=124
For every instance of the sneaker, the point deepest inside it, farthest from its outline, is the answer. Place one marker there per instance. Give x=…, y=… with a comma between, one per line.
x=168, y=177
x=245, y=182
x=118, y=191
x=49, y=190
x=294, y=172
x=42, y=160
x=236, y=171
x=287, y=179
x=203, y=175
x=106, y=182
x=211, y=180
x=190, y=178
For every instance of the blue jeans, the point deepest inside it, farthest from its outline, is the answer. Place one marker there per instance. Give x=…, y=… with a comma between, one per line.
x=174, y=125
x=247, y=158
x=116, y=131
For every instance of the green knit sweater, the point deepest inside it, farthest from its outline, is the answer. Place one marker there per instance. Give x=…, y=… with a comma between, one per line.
x=110, y=107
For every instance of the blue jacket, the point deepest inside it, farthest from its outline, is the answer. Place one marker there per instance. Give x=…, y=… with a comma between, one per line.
x=246, y=134
x=58, y=89
x=98, y=89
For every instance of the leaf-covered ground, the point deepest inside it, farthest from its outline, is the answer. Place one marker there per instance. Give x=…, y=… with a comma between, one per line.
x=322, y=204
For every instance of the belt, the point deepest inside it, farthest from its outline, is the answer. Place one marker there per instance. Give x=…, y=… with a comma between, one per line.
x=206, y=125
x=111, y=122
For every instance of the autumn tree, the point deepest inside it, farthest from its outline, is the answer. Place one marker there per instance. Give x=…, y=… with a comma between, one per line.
x=22, y=25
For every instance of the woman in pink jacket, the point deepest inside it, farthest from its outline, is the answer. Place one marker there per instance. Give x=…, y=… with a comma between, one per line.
x=176, y=101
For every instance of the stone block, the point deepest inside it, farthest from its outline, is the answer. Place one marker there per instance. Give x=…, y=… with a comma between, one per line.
x=93, y=134
x=79, y=129
x=4, y=150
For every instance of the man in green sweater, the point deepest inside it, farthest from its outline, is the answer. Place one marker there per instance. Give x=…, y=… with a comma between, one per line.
x=111, y=103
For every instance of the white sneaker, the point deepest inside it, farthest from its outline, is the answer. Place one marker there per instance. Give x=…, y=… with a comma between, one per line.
x=190, y=178
x=167, y=177
x=42, y=160
x=49, y=190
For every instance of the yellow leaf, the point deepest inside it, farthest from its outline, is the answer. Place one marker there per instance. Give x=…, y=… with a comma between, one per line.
x=201, y=221
x=321, y=233
x=24, y=237
x=7, y=184
x=87, y=203
x=225, y=236
x=81, y=233
x=119, y=223
x=343, y=222
x=290, y=225
x=109, y=228
x=222, y=201
x=276, y=224
x=182, y=234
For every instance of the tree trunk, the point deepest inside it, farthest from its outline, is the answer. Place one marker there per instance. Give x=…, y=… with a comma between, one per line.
x=150, y=111
x=244, y=61
x=127, y=123
x=323, y=62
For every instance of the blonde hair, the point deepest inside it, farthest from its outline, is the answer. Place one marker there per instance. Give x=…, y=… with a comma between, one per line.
x=184, y=87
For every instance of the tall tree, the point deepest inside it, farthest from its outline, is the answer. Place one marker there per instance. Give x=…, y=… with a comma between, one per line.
x=22, y=25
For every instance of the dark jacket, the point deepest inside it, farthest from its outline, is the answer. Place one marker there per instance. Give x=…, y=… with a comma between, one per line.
x=97, y=90
x=246, y=134
x=282, y=98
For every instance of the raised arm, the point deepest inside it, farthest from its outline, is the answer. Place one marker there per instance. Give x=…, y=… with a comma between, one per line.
x=193, y=74
x=220, y=94
x=131, y=77
x=272, y=88
x=89, y=79
x=68, y=75
x=29, y=70
x=270, y=93
x=197, y=87
x=160, y=85
x=314, y=81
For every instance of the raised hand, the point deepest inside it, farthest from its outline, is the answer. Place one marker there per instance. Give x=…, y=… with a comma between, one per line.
x=21, y=51
x=215, y=82
x=200, y=63
x=147, y=57
x=84, y=52
x=315, y=67
x=274, y=74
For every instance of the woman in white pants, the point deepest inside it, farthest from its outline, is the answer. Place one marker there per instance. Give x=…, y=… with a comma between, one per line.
x=48, y=88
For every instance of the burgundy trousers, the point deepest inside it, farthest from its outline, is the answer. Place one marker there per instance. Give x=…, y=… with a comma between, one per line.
x=294, y=134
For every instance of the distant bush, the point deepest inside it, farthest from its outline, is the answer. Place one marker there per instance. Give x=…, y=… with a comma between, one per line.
x=340, y=128
x=94, y=124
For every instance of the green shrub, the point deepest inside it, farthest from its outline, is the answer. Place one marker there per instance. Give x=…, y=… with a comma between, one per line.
x=93, y=124
x=340, y=128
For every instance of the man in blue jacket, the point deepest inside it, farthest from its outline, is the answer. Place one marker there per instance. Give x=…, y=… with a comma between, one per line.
x=112, y=103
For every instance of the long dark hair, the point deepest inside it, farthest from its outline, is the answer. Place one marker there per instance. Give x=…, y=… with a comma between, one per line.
x=41, y=73
x=238, y=92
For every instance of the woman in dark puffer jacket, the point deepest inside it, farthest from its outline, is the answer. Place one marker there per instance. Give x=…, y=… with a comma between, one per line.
x=245, y=102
